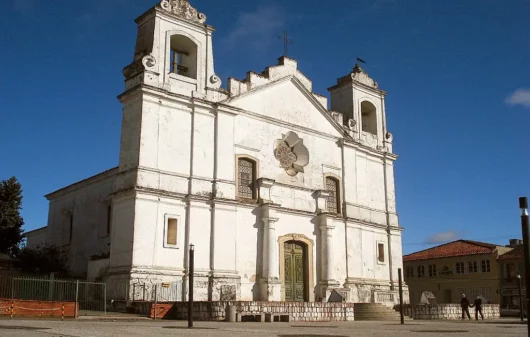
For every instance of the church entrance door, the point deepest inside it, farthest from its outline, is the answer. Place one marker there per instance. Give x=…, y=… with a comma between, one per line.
x=295, y=257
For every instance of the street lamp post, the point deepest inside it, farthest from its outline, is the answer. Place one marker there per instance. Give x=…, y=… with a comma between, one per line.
x=520, y=295
x=523, y=205
x=191, y=271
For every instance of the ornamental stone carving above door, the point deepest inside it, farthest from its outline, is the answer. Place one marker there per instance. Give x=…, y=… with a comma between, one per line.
x=291, y=152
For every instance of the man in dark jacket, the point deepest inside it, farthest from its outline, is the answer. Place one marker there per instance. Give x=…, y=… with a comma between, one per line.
x=478, y=307
x=464, y=303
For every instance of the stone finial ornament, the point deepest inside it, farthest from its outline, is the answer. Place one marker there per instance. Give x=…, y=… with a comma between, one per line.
x=358, y=74
x=291, y=152
x=148, y=61
x=183, y=9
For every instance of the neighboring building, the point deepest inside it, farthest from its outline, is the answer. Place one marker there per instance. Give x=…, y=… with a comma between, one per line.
x=36, y=237
x=283, y=198
x=512, y=264
x=457, y=267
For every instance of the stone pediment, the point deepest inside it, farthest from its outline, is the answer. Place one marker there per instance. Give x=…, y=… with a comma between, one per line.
x=283, y=93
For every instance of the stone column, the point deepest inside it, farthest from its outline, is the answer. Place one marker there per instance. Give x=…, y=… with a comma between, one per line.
x=270, y=285
x=325, y=223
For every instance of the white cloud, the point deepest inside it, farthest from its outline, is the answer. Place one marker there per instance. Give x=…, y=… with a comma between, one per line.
x=443, y=237
x=256, y=29
x=520, y=97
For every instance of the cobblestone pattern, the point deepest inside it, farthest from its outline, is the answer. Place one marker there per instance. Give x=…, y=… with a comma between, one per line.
x=299, y=311
x=447, y=311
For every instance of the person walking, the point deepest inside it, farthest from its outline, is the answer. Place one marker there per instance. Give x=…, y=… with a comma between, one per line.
x=464, y=304
x=478, y=307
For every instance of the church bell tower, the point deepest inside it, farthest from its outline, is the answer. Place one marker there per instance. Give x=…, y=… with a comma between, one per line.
x=358, y=97
x=174, y=51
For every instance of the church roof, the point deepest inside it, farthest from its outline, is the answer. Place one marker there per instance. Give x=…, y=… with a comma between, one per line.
x=452, y=249
x=103, y=175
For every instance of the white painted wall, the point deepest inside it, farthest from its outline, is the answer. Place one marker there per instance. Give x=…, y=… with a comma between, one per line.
x=37, y=237
x=88, y=202
x=179, y=147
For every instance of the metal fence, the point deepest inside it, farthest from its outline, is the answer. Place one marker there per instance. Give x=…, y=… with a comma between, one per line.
x=90, y=296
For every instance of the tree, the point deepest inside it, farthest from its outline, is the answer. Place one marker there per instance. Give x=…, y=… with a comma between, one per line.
x=11, y=233
x=43, y=260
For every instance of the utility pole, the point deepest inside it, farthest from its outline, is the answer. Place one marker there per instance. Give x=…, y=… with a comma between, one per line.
x=523, y=205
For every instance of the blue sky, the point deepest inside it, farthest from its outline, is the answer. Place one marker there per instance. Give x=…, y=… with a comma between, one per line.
x=457, y=73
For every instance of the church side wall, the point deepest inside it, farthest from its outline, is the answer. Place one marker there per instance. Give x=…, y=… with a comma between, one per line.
x=88, y=204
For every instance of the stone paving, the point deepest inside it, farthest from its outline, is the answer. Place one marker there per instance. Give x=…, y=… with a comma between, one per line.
x=150, y=328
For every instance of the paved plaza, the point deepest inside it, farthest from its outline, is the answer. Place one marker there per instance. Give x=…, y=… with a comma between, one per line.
x=150, y=328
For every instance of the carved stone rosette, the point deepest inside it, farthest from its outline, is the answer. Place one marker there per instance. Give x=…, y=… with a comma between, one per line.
x=183, y=9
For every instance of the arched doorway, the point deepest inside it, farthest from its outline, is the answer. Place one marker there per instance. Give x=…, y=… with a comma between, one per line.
x=291, y=246
x=295, y=275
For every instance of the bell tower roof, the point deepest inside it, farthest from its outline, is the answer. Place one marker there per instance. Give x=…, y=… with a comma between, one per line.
x=183, y=10
x=358, y=76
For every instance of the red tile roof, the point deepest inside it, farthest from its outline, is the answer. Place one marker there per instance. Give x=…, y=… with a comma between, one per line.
x=515, y=254
x=451, y=249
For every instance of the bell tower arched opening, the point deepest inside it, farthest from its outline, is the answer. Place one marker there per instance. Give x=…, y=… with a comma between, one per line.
x=183, y=56
x=369, y=117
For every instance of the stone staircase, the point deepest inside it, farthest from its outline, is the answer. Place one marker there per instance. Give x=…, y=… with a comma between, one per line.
x=375, y=312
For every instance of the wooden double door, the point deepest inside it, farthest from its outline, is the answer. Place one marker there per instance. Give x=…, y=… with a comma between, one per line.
x=295, y=276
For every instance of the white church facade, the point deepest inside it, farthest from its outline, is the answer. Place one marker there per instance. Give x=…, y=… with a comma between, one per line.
x=283, y=197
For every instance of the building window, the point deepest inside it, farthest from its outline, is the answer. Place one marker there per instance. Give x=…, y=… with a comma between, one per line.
x=246, y=171
x=486, y=266
x=332, y=186
x=460, y=267
x=472, y=266
x=510, y=271
x=109, y=218
x=381, y=252
x=171, y=230
x=421, y=271
x=432, y=270
x=71, y=233
x=410, y=272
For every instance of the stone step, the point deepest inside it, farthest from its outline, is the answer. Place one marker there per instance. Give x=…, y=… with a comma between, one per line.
x=375, y=312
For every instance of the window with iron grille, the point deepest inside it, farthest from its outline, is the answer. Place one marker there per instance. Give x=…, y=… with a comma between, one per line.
x=332, y=186
x=246, y=178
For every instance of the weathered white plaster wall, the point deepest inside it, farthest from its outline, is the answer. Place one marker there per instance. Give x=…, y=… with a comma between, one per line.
x=179, y=148
x=37, y=237
x=88, y=202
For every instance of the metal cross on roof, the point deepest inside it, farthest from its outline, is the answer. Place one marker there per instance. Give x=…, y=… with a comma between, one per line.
x=286, y=42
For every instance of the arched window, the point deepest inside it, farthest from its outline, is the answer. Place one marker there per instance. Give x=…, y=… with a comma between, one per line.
x=369, y=117
x=183, y=56
x=332, y=186
x=246, y=178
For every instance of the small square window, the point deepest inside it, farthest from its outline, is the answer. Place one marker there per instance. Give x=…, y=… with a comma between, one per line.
x=381, y=252
x=171, y=231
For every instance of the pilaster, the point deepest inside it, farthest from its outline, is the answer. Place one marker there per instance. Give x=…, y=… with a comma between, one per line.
x=327, y=277
x=270, y=285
